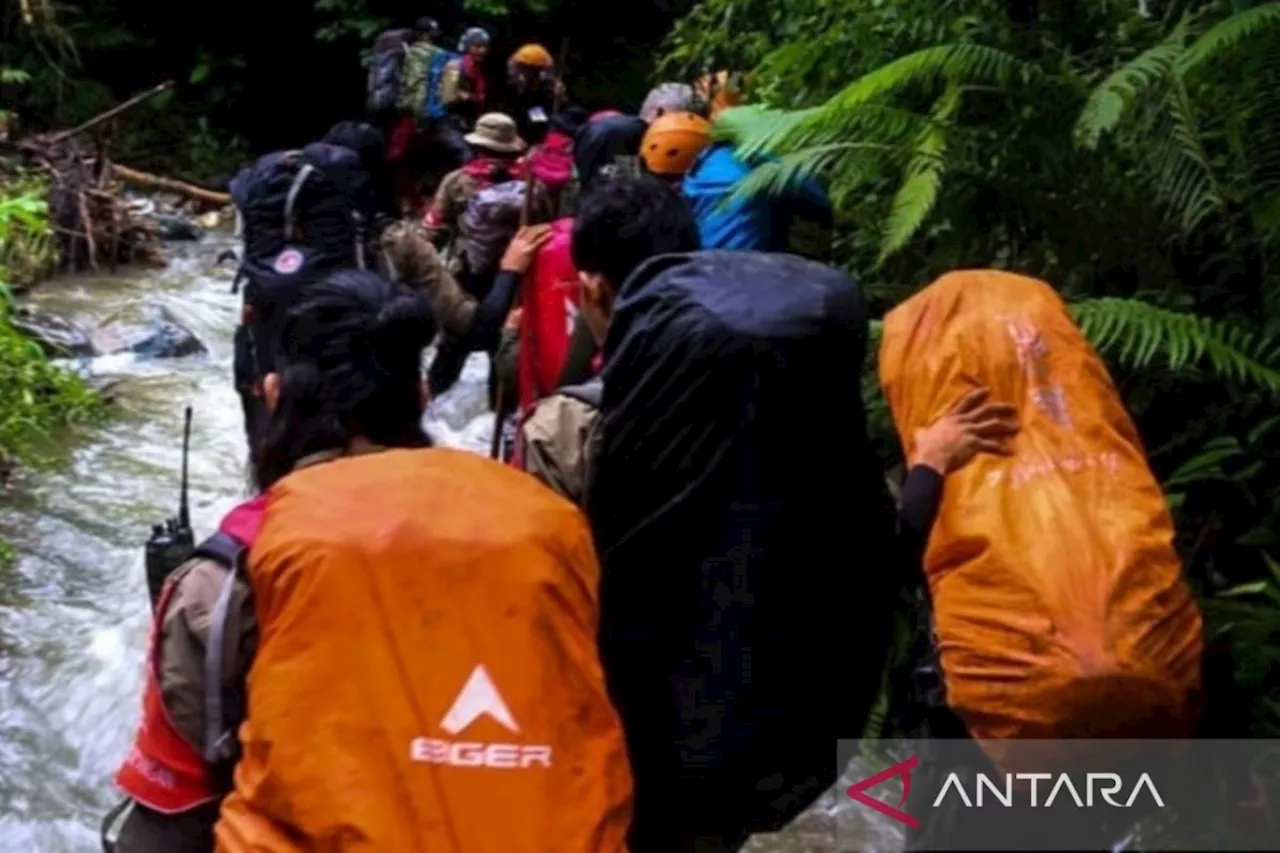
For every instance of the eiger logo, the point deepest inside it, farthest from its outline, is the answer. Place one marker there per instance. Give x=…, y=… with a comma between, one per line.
x=478, y=698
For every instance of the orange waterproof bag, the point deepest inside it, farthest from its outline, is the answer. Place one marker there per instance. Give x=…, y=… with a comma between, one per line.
x=1059, y=601
x=427, y=675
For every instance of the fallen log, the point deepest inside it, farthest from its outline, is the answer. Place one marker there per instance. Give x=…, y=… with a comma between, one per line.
x=64, y=135
x=148, y=181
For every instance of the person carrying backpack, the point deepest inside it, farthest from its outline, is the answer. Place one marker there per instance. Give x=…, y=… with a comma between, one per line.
x=533, y=89
x=672, y=144
x=465, y=77
x=670, y=98
x=302, y=214
x=419, y=745
x=1074, y=620
x=496, y=148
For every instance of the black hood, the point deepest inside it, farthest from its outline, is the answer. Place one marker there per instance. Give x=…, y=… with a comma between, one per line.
x=601, y=141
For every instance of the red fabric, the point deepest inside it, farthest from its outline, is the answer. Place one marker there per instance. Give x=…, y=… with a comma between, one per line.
x=163, y=770
x=478, y=86
x=552, y=161
x=550, y=306
x=401, y=139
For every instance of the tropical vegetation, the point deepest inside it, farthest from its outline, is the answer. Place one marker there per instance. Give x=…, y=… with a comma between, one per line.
x=1127, y=152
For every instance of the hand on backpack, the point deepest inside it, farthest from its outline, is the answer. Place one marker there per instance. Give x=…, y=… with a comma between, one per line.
x=973, y=426
x=519, y=254
x=513, y=320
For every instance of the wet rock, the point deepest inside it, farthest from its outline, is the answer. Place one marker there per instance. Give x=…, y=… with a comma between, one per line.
x=174, y=227
x=159, y=338
x=57, y=336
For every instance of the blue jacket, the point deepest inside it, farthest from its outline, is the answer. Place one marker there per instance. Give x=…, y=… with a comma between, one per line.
x=760, y=223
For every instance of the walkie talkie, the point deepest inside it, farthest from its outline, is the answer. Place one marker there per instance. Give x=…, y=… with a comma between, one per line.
x=172, y=542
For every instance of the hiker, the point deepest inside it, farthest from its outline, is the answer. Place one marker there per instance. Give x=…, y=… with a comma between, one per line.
x=496, y=148
x=533, y=90
x=370, y=145
x=799, y=221
x=621, y=223
x=719, y=92
x=672, y=143
x=730, y=463
x=670, y=98
x=484, y=333
x=422, y=744
x=608, y=145
x=467, y=74
x=301, y=214
x=1074, y=620
x=409, y=146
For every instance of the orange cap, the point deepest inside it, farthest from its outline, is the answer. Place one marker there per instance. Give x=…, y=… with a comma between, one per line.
x=533, y=55
x=673, y=141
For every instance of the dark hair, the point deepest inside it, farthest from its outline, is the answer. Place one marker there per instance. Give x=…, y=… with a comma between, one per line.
x=427, y=26
x=361, y=137
x=350, y=366
x=624, y=221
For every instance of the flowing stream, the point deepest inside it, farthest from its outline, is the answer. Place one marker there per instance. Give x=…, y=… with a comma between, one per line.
x=73, y=608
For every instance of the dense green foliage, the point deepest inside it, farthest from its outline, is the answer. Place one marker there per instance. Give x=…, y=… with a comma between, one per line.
x=1132, y=160
x=36, y=397
x=251, y=77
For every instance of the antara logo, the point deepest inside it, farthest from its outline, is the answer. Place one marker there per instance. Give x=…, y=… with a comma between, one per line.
x=479, y=698
x=1101, y=784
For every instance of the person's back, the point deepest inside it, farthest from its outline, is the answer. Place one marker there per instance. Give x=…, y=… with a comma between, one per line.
x=409, y=652
x=743, y=530
x=799, y=223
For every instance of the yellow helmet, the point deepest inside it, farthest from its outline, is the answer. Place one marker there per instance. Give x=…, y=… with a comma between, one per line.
x=533, y=55
x=673, y=142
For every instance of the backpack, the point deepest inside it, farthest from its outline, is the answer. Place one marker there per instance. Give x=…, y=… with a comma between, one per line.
x=1073, y=619
x=488, y=224
x=442, y=85
x=422, y=81
x=303, y=213
x=383, y=88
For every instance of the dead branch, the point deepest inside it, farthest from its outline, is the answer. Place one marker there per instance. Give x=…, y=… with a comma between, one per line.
x=148, y=181
x=63, y=135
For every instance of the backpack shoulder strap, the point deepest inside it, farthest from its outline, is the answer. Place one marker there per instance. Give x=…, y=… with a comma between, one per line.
x=589, y=392
x=219, y=738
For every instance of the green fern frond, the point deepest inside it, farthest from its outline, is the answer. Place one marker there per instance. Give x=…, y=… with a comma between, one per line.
x=1184, y=178
x=1225, y=36
x=1137, y=334
x=859, y=162
x=918, y=194
x=1127, y=86
x=956, y=63
x=757, y=130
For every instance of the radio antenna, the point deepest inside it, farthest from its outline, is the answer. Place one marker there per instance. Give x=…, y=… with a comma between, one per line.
x=184, y=509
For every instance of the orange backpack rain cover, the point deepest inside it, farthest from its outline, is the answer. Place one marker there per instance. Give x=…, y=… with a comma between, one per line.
x=427, y=675
x=1059, y=601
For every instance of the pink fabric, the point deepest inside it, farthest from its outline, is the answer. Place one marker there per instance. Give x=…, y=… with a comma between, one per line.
x=552, y=161
x=243, y=523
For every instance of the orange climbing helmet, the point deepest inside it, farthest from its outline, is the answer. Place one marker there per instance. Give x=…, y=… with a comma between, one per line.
x=533, y=55
x=673, y=141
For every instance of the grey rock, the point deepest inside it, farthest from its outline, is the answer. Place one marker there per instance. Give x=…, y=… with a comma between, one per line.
x=57, y=336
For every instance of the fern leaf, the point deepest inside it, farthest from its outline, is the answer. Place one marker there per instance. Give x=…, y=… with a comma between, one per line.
x=1227, y=35
x=1184, y=179
x=1138, y=334
x=956, y=63
x=1127, y=86
x=787, y=174
x=918, y=194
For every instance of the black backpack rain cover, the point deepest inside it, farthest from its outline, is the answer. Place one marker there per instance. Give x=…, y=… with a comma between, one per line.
x=744, y=531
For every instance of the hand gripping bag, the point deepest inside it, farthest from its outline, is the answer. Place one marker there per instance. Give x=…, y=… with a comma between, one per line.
x=1059, y=604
